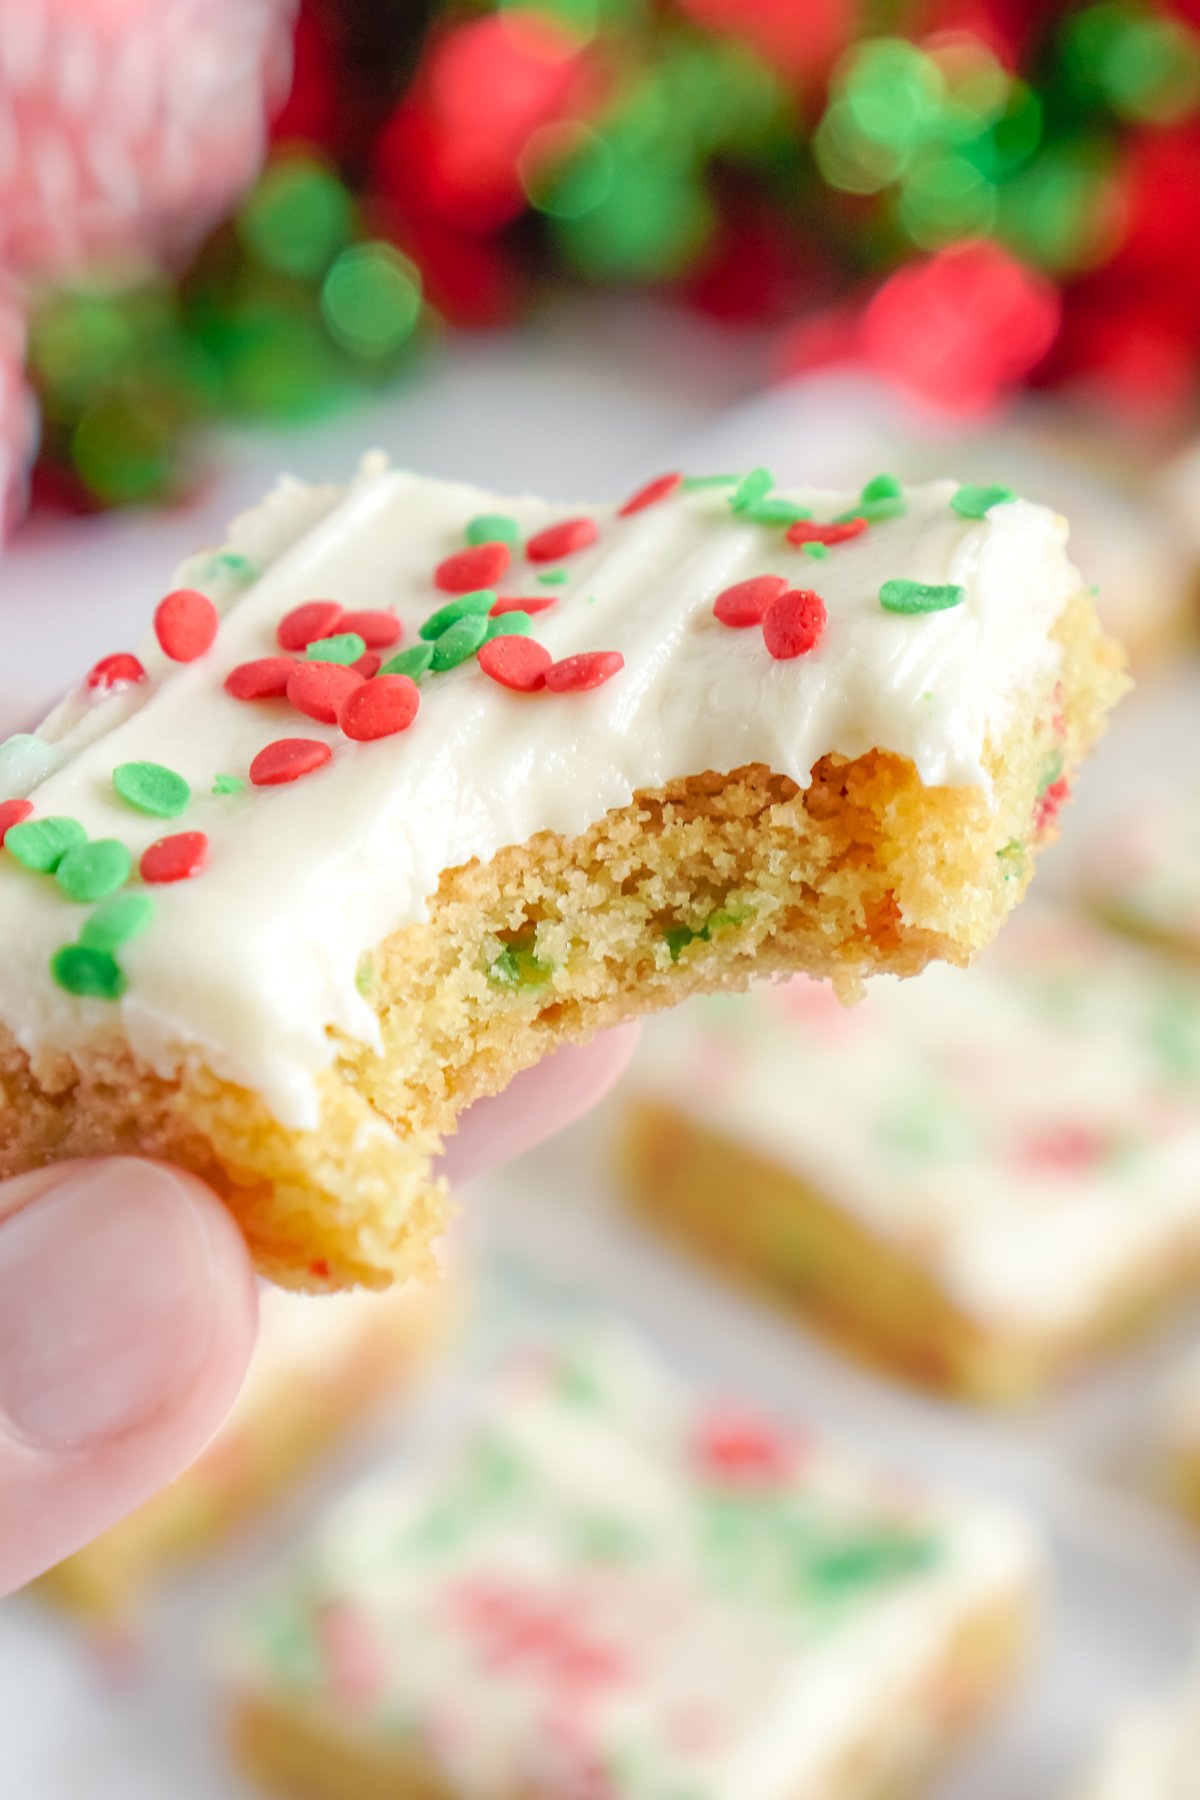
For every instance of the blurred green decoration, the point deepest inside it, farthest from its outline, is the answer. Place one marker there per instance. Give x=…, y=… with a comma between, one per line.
x=697, y=145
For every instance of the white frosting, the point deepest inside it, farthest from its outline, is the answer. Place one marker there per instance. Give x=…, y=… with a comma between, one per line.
x=249, y=965
x=1027, y=1132
x=734, y=1665
x=1142, y=862
x=1154, y=1754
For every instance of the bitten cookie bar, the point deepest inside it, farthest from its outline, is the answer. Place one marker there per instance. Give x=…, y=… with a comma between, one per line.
x=611, y=1589
x=981, y=1180
x=416, y=784
x=320, y=1369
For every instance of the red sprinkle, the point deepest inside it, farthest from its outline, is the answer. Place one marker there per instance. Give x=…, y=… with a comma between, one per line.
x=1050, y=804
x=651, y=494
x=320, y=1268
x=367, y=664
x=175, y=858
x=378, y=709
x=264, y=679
x=590, y=669
x=533, y=603
x=519, y=663
x=320, y=690
x=185, y=624
x=305, y=624
x=746, y=602
x=377, y=629
x=479, y=567
x=13, y=812
x=111, y=670
x=562, y=540
x=805, y=532
x=287, y=759
x=793, y=623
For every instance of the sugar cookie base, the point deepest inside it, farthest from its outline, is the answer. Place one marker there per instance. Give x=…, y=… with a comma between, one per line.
x=784, y=1240
x=290, y=1751
x=866, y=870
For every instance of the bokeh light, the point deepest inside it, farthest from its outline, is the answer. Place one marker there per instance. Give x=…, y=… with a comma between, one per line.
x=371, y=300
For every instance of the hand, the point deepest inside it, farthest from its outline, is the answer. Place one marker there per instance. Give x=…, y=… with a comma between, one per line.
x=128, y=1311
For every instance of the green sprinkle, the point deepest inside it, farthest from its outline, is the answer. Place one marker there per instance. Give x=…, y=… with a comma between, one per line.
x=678, y=937
x=364, y=976
x=415, y=662
x=228, y=784
x=725, y=918
x=920, y=596
x=343, y=647
x=510, y=624
x=460, y=641
x=1012, y=856
x=751, y=489
x=882, y=487
x=873, y=511
x=975, y=502
x=817, y=551
x=41, y=844
x=92, y=871
x=554, y=577
x=493, y=528
x=229, y=562
x=774, y=511
x=710, y=481
x=94, y=974
x=123, y=917
x=1052, y=769
x=519, y=966
x=481, y=600
x=152, y=789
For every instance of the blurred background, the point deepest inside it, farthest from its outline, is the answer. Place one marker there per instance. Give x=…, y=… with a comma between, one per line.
x=561, y=245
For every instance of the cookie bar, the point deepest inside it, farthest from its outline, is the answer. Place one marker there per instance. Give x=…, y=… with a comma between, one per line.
x=1153, y=1754
x=1139, y=866
x=320, y=1369
x=1178, y=1435
x=609, y=1588
x=980, y=1180
x=415, y=784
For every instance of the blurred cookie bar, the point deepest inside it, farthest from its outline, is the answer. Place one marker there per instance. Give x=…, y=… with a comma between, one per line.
x=611, y=1589
x=982, y=1182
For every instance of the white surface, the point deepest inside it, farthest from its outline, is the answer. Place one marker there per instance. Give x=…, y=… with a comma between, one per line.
x=1127, y=1580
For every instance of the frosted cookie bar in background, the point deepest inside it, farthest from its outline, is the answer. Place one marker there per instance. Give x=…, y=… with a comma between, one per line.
x=983, y=1180
x=1153, y=1753
x=321, y=1368
x=1179, y=1436
x=1138, y=863
x=434, y=782
x=609, y=1587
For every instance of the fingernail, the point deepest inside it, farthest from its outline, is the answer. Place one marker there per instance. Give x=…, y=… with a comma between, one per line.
x=106, y=1306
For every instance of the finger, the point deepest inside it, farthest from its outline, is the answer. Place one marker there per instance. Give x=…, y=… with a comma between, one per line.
x=539, y=1102
x=127, y=1317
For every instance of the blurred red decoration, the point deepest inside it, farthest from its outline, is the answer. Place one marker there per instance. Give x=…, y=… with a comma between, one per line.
x=130, y=124
x=18, y=415
x=453, y=145
x=800, y=38
x=961, y=328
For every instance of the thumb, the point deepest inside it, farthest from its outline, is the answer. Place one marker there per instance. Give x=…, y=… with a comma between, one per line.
x=127, y=1317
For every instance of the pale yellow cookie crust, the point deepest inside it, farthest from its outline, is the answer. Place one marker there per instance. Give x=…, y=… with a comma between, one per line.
x=290, y=1751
